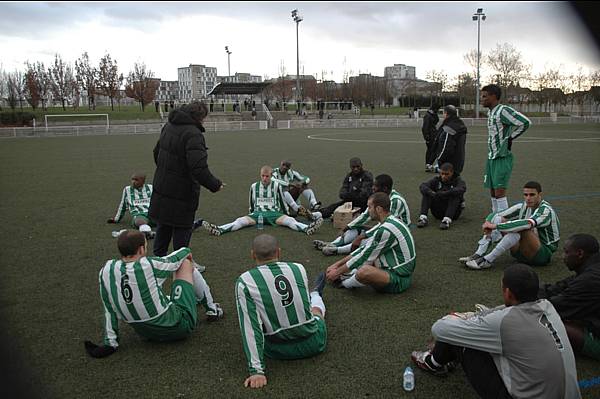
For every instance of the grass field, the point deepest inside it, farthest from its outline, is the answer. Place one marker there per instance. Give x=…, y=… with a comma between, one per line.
x=58, y=192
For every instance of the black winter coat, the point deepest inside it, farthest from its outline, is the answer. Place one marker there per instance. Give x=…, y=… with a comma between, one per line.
x=451, y=140
x=429, y=130
x=181, y=168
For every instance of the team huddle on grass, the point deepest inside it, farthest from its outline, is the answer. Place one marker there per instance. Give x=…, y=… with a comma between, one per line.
x=524, y=348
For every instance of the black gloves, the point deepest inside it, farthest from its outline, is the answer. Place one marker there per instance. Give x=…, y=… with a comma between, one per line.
x=98, y=351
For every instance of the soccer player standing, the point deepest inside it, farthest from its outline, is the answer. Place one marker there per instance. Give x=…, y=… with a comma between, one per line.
x=504, y=125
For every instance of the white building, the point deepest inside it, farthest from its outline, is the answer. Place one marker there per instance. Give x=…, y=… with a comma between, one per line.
x=400, y=71
x=240, y=78
x=195, y=82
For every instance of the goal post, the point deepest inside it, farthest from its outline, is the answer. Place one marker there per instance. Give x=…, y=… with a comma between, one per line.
x=105, y=117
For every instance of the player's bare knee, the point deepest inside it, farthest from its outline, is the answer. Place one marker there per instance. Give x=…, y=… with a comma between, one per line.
x=185, y=271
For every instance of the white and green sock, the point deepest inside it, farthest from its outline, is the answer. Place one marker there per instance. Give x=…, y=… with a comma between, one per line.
x=294, y=224
x=316, y=301
x=506, y=243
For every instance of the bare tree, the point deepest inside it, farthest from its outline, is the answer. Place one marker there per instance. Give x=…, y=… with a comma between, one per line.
x=507, y=65
x=16, y=89
x=471, y=59
x=141, y=85
x=32, y=88
x=3, y=88
x=109, y=79
x=437, y=77
x=87, y=78
x=62, y=80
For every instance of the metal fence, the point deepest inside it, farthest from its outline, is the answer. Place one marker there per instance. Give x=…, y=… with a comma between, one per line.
x=99, y=130
x=408, y=122
x=154, y=128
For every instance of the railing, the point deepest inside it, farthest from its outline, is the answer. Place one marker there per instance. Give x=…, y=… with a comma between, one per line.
x=148, y=128
x=411, y=122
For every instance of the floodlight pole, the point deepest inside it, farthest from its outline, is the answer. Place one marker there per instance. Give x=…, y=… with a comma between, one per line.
x=479, y=16
x=297, y=18
x=228, y=62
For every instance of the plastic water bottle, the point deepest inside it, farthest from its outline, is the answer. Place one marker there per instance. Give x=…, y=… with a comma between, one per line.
x=260, y=222
x=409, y=379
x=115, y=234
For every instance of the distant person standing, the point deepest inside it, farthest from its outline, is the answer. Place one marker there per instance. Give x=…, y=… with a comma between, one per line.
x=429, y=130
x=181, y=168
x=450, y=141
x=504, y=125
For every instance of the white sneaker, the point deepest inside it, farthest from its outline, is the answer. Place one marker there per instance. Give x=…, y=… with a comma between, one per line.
x=199, y=267
x=478, y=264
x=329, y=250
x=466, y=259
x=216, y=314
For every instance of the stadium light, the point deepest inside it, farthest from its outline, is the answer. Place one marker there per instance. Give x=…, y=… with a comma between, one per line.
x=478, y=16
x=297, y=19
x=228, y=63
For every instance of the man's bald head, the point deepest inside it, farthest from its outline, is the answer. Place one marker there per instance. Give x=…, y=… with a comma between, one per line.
x=264, y=247
x=138, y=179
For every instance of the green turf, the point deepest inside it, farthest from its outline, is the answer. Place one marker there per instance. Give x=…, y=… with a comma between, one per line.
x=58, y=192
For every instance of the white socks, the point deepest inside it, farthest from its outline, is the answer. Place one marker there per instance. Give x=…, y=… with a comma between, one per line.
x=494, y=205
x=506, y=243
x=352, y=282
x=345, y=238
x=501, y=204
x=293, y=224
x=345, y=249
x=237, y=224
x=202, y=291
x=317, y=302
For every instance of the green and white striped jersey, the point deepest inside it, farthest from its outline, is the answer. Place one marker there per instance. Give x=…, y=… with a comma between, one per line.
x=290, y=175
x=136, y=200
x=543, y=219
x=389, y=245
x=503, y=123
x=267, y=198
x=273, y=303
x=132, y=291
x=398, y=208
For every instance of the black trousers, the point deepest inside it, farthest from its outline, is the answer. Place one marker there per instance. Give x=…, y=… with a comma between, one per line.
x=479, y=368
x=441, y=207
x=164, y=233
x=430, y=154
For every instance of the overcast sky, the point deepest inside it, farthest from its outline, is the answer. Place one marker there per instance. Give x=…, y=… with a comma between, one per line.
x=334, y=36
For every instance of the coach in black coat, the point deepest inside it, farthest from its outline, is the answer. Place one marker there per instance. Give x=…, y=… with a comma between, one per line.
x=181, y=168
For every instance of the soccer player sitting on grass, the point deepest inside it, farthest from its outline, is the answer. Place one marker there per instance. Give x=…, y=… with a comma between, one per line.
x=355, y=232
x=131, y=291
x=266, y=201
x=387, y=259
x=278, y=316
x=530, y=231
x=136, y=200
x=518, y=350
x=295, y=184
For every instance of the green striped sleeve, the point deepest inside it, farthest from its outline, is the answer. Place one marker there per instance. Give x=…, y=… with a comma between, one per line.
x=371, y=251
x=111, y=322
x=507, y=213
x=122, y=206
x=360, y=220
x=515, y=226
x=171, y=262
x=542, y=216
x=510, y=116
x=304, y=179
x=250, y=328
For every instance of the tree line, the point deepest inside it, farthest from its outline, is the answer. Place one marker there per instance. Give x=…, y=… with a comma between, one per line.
x=64, y=83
